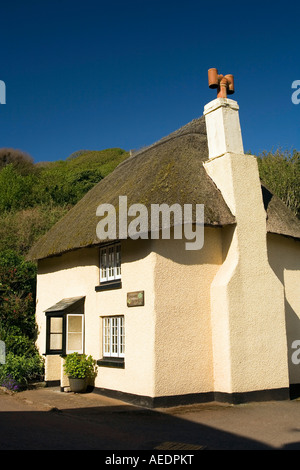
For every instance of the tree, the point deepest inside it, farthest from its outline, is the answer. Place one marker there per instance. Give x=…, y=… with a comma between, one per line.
x=20, y=160
x=17, y=294
x=16, y=191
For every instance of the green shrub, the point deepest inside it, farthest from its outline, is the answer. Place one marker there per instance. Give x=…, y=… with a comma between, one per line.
x=17, y=343
x=16, y=191
x=19, y=230
x=17, y=293
x=21, y=369
x=79, y=366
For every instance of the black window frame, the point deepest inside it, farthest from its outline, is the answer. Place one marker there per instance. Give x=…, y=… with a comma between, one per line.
x=61, y=351
x=75, y=309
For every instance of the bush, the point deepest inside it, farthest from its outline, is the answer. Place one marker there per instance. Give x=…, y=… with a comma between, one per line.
x=79, y=366
x=16, y=191
x=20, y=160
x=21, y=370
x=17, y=293
x=19, y=230
x=17, y=343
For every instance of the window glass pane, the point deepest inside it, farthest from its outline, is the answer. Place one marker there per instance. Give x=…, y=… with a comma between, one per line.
x=74, y=323
x=111, y=262
x=55, y=333
x=75, y=333
x=122, y=337
x=55, y=341
x=106, y=336
x=74, y=342
x=103, y=264
x=118, y=261
x=56, y=324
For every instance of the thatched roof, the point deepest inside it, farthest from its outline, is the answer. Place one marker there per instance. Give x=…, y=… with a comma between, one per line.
x=280, y=219
x=169, y=171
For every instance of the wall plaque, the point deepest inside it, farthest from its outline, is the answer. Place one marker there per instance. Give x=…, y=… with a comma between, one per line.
x=135, y=299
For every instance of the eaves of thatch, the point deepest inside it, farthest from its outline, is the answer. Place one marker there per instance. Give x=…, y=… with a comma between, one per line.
x=169, y=171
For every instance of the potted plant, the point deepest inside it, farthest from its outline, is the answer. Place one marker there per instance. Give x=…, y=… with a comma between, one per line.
x=79, y=369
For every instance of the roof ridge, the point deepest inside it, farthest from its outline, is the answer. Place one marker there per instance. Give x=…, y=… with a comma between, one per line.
x=172, y=136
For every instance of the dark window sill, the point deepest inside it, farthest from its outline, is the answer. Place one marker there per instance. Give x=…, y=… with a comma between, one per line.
x=117, y=284
x=53, y=353
x=116, y=362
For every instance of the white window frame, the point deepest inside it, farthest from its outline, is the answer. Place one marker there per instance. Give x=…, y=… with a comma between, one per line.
x=113, y=329
x=80, y=351
x=110, y=262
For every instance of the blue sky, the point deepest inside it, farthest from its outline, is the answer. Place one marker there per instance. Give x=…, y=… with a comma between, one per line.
x=94, y=74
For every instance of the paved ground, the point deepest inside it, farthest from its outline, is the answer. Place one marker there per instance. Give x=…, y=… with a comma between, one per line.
x=47, y=419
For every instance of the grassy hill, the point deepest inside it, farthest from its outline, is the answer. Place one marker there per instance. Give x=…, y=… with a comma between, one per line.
x=35, y=196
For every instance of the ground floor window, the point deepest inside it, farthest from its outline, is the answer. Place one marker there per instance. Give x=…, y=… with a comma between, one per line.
x=74, y=334
x=65, y=326
x=55, y=328
x=65, y=334
x=113, y=337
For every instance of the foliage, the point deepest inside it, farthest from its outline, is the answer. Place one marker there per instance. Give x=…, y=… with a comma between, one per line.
x=59, y=183
x=17, y=321
x=79, y=366
x=9, y=382
x=17, y=293
x=59, y=186
x=21, y=369
x=16, y=190
x=19, y=230
x=17, y=343
x=22, y=161
x=280, y=171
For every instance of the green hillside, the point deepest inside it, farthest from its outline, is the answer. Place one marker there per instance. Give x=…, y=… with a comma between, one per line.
x=34, y=196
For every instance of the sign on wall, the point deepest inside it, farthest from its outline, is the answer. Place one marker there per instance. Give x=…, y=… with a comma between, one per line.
x=135, y=299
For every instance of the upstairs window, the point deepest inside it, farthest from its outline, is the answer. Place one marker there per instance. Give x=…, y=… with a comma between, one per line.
x=110, y=263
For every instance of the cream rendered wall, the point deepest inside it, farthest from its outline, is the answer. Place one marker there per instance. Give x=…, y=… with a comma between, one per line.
x=284, y=258
x=247, y=298
x=70, y=275
x=168, y=349
x=183, y=345
x=138, y=264
x=76, y=274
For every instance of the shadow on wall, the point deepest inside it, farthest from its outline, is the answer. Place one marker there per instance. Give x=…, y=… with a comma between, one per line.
x=284, y=259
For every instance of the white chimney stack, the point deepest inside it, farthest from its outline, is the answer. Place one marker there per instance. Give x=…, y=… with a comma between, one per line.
x=223, y=127
x=247, y=299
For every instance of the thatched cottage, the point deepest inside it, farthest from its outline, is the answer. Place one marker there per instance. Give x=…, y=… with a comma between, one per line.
x=169, y=325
